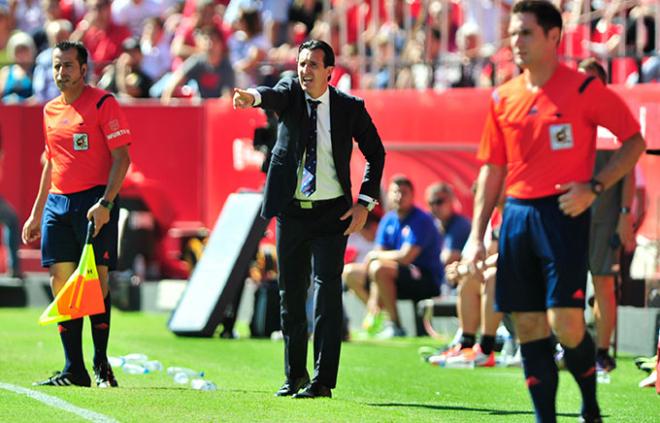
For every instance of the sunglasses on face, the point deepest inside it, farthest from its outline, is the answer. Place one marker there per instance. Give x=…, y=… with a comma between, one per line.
x=437, y=202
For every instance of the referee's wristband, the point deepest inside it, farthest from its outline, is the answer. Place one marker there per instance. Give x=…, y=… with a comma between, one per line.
x=107, y=204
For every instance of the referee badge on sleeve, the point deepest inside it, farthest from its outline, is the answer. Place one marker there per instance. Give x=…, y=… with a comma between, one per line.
x=561, y=136
x=80, y=142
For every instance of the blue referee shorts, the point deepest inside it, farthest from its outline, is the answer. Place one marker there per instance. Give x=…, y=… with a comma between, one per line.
x=64, y=228
x=543, y=257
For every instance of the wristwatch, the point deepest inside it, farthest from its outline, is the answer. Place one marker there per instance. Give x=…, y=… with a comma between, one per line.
x=597, y=187
x=107, y=204
x=368, y=204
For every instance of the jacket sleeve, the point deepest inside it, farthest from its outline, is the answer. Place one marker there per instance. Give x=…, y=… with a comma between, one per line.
x=277, y=98
x=371, y=146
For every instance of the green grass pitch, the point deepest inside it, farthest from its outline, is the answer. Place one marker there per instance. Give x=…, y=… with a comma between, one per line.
x=378, y=382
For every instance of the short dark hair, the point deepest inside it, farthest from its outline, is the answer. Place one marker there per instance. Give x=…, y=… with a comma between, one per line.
x=402, y=180
x=547, y=15
x=81, y=51
x=591, y=64
x=328, y=53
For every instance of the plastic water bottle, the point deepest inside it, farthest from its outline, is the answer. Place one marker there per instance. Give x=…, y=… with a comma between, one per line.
x=135, y=358
x=203, y=385
x=134, y=369
x=182, y=375
x=171, y=371
x=181, y=378
x=153, y=365
x=116, y=361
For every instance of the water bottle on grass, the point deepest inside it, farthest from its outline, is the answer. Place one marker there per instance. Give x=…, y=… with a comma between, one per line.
x=134, y=369
x=135, y=358
x=203, y=385
x=153, y=365
x=183, y=375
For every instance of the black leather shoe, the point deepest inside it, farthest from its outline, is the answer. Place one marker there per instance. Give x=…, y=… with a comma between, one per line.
x=314, y=390
x=290, y=387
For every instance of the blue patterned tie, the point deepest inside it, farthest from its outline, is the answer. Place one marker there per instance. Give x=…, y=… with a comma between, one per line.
x=308, y=184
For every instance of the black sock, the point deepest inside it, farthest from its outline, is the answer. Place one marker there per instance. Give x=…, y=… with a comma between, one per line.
x=581, y=362
x=101, y=333
x=541, y=376
x=487, y=343
x=71, y=337
x=467, y=340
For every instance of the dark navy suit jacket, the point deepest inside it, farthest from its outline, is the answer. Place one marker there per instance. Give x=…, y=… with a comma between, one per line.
x=349, y=120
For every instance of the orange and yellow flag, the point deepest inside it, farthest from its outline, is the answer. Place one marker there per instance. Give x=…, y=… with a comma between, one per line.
x=81, y=295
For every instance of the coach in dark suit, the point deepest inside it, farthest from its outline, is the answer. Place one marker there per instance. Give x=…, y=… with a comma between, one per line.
x=308, y=189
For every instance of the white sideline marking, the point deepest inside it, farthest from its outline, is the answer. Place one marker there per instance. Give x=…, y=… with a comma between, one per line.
x=59, y=403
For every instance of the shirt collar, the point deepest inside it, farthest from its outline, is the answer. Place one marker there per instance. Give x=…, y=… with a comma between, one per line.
x=324, y=98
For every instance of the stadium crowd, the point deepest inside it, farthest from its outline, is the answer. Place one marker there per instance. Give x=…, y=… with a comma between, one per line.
x=202, y=48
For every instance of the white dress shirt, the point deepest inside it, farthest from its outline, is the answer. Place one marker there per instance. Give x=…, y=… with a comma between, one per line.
x=327, y=183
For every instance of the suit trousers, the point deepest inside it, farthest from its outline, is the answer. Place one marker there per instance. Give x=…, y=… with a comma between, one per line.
x=310, y=246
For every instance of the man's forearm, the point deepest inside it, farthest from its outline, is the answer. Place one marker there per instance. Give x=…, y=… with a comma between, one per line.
x=42, y=195
x=622, y=162
x=120, y=162
x=628, y=189
x=489, y=185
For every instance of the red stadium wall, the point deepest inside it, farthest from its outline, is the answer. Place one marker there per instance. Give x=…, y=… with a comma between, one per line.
x=201, y=154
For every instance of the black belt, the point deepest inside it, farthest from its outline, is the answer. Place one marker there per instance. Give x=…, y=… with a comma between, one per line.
x=309, y=204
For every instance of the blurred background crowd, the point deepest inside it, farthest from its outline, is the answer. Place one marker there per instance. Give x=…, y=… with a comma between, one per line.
x=202, y=48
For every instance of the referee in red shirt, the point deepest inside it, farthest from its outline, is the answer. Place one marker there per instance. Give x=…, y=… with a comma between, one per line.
x=540, y=140
x=86, y=158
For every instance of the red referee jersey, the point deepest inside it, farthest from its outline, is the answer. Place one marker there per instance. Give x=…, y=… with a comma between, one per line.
x=80, y=137
x=548, y=137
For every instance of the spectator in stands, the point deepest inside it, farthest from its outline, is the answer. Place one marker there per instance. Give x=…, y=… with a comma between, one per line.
x=42, y=81
x=183, y=44
x=436, y=21
x=16, y=78
x=463, y=68
x=5, y=33
x=210, y=69
x=125, y=76
x=134, y=13
x=611, y=227
x=305, y=12
x=415, y=73
x=453, y=227
x=406, y=261
x=248, y=47
x=28, y=15
x=52, y=11
x=11, y=231
x=382, y=74
x=155, y=45
x=650, y=72
x=102, y=37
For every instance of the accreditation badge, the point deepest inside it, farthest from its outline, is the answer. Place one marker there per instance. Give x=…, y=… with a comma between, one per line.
x=80, y=142
x=561, y=136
